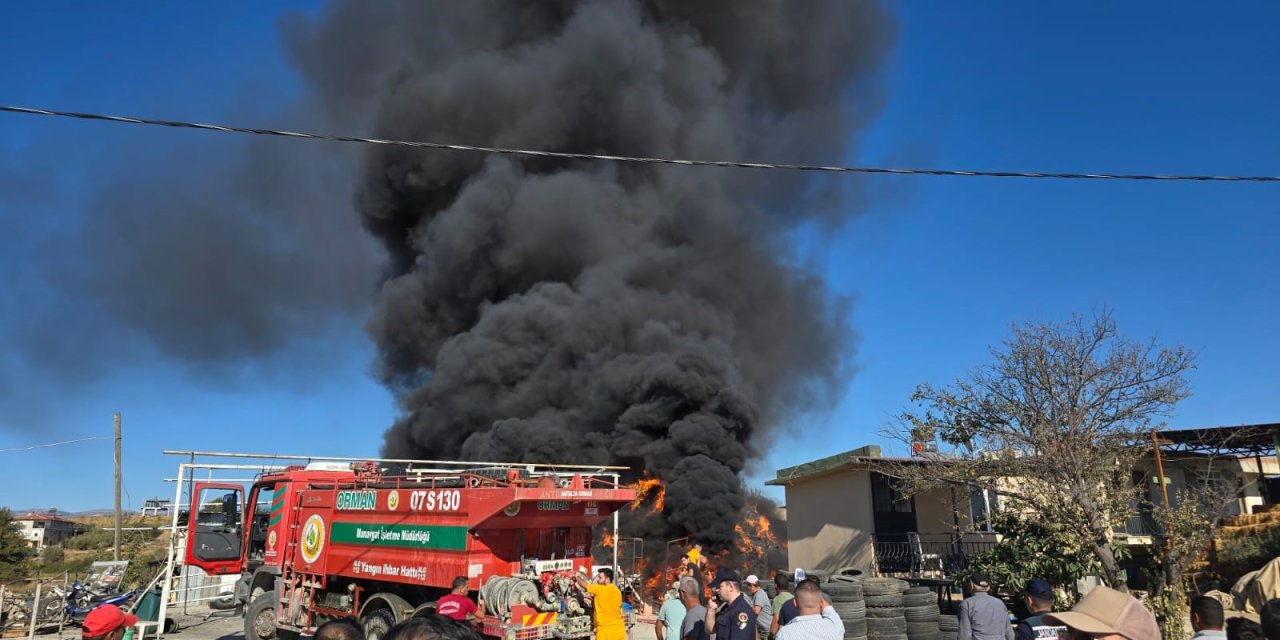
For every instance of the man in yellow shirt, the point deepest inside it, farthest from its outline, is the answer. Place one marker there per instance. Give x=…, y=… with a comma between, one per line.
x=606, y=601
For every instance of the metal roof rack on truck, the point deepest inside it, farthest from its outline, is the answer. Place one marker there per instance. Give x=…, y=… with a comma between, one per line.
x=220, y=466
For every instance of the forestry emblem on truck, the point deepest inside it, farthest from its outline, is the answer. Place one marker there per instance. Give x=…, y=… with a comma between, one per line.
x=312, y=539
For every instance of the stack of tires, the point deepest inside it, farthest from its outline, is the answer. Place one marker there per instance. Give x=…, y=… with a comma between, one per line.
x=883, y=601
x=949, y=627
x=920, y=608
x=845, y=595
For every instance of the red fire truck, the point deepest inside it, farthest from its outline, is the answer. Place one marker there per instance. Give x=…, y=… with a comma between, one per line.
x=325, y=540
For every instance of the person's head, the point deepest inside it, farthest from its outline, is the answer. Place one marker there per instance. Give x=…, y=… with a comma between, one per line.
x=1244, y=629
x=460, y=584
x=726, y=584
x=340, y=629
x=604, y=576
x=808, y=598
x=1270, y=616
x=1206, y=613
x=688, y=591
x=1107, y=614
x=107, y=622
x=429, y=626
x=782, y=581
x=979, y=582
x=752, y=584
x=1038, y=595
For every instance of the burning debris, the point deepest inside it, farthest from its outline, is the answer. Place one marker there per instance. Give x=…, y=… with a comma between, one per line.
x=650, y=490
x=545, y=310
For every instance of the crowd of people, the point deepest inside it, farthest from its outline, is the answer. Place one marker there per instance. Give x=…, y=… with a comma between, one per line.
x=1102, y=614
x=740, y=609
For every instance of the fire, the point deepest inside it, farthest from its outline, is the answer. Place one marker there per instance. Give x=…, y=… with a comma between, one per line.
x=649, y=488
x=755, y=539
x=607, y=541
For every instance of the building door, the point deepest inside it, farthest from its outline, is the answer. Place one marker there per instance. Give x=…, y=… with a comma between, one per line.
x=895, y=514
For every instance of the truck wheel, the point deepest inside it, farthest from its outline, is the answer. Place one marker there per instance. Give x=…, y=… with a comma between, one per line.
x=260, y=617
x=377, y=623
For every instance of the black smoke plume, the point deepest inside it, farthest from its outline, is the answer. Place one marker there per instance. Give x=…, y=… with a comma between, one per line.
x=588, y=312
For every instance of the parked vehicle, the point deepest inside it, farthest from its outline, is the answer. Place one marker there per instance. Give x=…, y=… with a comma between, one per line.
x=78, y=600
x=330, y=540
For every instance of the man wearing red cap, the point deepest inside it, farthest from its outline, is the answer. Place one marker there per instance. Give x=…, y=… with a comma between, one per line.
x=107, y=622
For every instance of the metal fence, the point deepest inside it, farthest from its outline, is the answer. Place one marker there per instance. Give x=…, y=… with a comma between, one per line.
x=916, y=554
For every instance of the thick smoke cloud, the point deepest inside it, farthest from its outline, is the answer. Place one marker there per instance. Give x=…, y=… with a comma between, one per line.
x=583, y=312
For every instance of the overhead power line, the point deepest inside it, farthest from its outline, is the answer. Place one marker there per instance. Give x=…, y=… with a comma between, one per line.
x=636, y=159
x=56, y=444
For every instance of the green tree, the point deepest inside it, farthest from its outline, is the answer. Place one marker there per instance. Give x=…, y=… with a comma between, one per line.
x=15, y=553
x=1056, y=424
x=1032, y=547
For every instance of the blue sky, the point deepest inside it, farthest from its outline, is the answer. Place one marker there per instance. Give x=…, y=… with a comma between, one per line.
x=936, y=268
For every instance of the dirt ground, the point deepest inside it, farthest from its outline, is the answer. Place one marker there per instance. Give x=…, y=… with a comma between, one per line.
x=197, y=624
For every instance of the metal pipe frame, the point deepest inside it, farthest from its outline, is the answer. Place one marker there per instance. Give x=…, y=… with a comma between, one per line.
x=453, y=463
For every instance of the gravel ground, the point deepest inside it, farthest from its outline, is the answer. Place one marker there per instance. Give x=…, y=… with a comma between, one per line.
x=198, y=624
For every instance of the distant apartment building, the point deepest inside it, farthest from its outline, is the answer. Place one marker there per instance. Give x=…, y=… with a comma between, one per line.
x=42, y=530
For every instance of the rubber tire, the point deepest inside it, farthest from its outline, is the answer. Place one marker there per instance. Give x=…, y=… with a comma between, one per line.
x=918, y=590
x=855, y=627
x=921, y=614
x=885, y=612
x=915, y=629
x=883, y=586
x=224, y=602
x=844, y=591
x=887, y=625
x=261, y=606
x=919, y=599
x=886, y=635
x=850, y=609
x=948, y=623
x=377, y=623
x=889, y=600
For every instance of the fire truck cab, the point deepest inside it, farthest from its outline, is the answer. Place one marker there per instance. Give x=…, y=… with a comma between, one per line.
x=382, y=542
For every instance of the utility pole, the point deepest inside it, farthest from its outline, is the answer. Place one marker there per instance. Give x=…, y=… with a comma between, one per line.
x=119, y=518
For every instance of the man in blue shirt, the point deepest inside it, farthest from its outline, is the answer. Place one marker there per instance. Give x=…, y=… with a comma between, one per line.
x=670, y=615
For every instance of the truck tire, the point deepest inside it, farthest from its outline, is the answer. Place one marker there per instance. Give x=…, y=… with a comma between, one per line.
x=377, y=623
x=224, y=602
x=260, y=618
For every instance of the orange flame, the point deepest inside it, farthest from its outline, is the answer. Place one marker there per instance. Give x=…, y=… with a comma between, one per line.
x=607, y=541
x=755, y=538
x=649, y=488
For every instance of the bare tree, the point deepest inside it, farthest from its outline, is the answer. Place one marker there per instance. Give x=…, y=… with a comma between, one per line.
x=1056, y=424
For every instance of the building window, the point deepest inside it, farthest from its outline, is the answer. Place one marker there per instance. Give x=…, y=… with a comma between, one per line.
x=982, y=503
x=886, y=498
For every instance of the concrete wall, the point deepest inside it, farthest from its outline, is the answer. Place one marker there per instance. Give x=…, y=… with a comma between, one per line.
x=830, y=522
x=933, y=511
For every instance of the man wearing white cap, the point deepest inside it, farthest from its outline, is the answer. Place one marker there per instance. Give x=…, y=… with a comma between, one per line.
x=763, y=607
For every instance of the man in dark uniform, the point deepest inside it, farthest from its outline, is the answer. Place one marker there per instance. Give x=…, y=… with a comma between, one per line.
x=736, y=618
x=1039, y=601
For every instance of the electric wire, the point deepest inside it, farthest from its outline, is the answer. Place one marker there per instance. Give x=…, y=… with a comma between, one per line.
x=636, y=159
